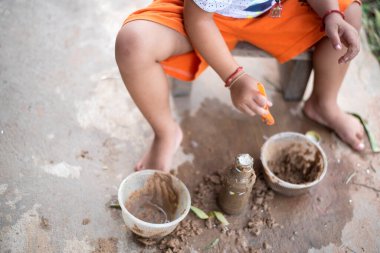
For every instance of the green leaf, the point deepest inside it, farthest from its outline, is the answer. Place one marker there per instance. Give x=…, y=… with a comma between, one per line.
x=114, y=203
x=377, y=19
x=221, y=218
x=199, y=213
x=212, y=244
x=375, y=147
x=314, y=136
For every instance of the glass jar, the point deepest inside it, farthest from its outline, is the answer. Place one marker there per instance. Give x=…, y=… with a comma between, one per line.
x=237, y=185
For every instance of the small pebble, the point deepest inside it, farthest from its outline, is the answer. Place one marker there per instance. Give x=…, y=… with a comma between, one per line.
x=266, y=245
x=194, y=144
x=256, y=231
x=350, y=201
x=2, y=131
x=295, y=233
x=85, y=221
x=259, y=201
x=44, y=223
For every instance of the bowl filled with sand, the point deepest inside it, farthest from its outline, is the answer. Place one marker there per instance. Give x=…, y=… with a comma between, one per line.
x=292, y=163
x=153, y=203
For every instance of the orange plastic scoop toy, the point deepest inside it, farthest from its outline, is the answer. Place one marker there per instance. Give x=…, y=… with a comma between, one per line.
x=267, y=118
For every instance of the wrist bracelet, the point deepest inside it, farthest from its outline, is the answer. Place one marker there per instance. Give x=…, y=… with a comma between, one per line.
x=327, y=14
x=232, y=76
x=242, y=73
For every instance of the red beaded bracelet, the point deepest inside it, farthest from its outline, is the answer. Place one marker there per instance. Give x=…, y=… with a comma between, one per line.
x=327, y=14
x=232, y=76
x=238, y=76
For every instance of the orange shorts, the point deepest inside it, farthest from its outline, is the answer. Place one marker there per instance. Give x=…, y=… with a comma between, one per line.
x=298, y=29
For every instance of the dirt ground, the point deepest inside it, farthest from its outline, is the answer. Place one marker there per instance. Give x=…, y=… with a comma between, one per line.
x=70, y=133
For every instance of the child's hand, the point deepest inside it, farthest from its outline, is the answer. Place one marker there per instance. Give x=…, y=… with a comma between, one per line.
x=339, y=31
x=246, y=97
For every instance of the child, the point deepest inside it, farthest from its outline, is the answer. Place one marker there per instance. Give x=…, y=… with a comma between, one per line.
x=153, y=42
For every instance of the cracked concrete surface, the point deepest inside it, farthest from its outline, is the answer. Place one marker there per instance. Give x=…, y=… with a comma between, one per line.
x=69, y=134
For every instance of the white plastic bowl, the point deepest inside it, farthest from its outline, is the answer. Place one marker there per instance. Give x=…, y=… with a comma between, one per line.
x=145, y=229
x=273, y=145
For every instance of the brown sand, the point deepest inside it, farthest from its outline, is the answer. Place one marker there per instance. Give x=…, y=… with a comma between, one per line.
x=249, y=231
x=240, y=133
x=297, y=164
x=156, y=202
x=235, y=237
x=106, y=245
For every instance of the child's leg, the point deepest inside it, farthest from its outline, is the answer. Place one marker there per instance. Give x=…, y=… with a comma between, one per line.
x=140, y=46
x=322, y=105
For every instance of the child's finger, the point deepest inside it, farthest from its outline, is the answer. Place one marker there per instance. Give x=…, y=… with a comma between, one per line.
x=257, y=108
x=352, y=51
x=333, y=35
x=260, y=100
x=351, y=40
x=247, y=110
x=349, y=55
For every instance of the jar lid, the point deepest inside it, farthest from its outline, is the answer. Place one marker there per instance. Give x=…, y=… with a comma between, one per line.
x=244, y=160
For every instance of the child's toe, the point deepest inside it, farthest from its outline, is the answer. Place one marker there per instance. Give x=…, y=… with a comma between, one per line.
x=139, y=166
x=360, y=146
x=357, y=143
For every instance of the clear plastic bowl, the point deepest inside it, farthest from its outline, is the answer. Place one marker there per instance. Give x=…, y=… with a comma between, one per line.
x=145, y=229
x=272, y=146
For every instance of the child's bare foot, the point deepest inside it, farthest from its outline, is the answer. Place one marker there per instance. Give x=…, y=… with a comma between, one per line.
x=346, y=126
x=160, y=154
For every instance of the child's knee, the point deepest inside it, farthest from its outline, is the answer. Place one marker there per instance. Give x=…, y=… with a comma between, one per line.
x=129, y=45
x=353, y=15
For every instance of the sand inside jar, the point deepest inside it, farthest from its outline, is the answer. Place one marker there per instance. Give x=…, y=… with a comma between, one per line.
x=156, y=202
x=297, y=164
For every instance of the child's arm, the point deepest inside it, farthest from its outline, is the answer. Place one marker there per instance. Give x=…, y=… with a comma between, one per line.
x=207, y=40
x=337, y=29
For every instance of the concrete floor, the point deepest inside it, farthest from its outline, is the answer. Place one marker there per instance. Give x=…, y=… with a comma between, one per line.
x=69, y=134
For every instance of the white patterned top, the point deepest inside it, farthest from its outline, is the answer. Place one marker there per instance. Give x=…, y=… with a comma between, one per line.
x=236, y=8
